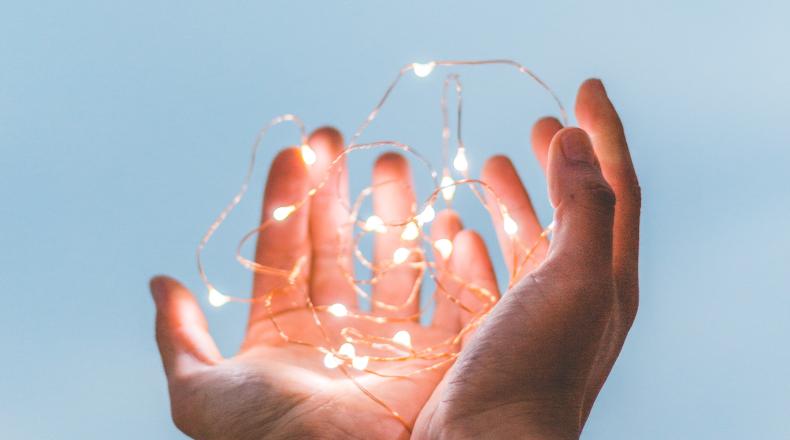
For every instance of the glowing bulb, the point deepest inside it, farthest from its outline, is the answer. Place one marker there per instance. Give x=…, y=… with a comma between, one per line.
x=448, y=188
x=332, y=361
x=426, y=215
x=509, y=225
x=308, y=155
x=283, y=212
x=551, y=227
x=460, y=163
x=338, y=310
x=403, y=338
x=216, y=298
x=400, y=255
x=360, y=362
x=423, y=69
x=444, y=246
x=347, y=350
x=375, y=223
x=410, y=232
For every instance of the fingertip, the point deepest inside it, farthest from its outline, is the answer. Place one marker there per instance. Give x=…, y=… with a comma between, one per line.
x=446, y=225
x=326, y=135
x=390, y=162
x=542, y=133
x=288, y=161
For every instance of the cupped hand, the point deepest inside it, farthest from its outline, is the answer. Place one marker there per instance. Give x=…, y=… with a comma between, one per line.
x=535, y=366
x=274, y=389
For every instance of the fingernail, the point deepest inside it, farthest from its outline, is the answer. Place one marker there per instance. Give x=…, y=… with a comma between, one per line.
x=576, y=147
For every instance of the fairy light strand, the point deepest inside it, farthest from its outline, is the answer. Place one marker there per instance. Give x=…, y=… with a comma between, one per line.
x=360, y=352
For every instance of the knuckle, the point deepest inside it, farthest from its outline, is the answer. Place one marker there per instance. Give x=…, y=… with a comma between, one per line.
x=599, y=196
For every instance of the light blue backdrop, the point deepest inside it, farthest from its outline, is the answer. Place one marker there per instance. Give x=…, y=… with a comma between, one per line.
x=124, y=127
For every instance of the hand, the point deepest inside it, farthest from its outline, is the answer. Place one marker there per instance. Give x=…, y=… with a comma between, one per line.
x=536, y=365
x=272, y=389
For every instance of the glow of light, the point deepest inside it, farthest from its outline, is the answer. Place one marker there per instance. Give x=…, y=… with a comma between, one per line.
x=410, y=232
x=376, y=224
x=444, y=246
x=347, y=350
x=551, y=226
x=423, y=69
x=460, y=163
x=400, y=255
x=283, y=212
x=308, y=155
x=360, y=362
x=448, y=188
x=509, y=225
x=216, y=298
x=338, y=310
x=427, y=215
x=331, y=361
x=403, y=338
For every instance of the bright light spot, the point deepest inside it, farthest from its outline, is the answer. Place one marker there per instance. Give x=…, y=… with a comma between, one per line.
x=427, y=215
x=332, y=361
x=509, y=225
x=308, y=155
x=360, y=363
x=551, y=226
x=448, y=187
x=460, y=163
x=338, y=310
x=400, y=255
x=376, y=224
x=283, y=212
x=423, y=69
x=216, y=298
x=403, y=338
x=444, y=246
x=410, y=232
x=347, y=350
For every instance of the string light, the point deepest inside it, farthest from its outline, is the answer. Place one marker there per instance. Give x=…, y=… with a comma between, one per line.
x=410, y=232
x=338, y=310
x=444, y=246
x=448, y=187
x=460, y=163
x=400, y=255
x=283, y=212
x=399, y=349
x=308, y=155
x=423, y=69
x=216, y=298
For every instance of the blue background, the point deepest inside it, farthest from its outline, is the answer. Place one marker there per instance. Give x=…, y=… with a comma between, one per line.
x=125, y=126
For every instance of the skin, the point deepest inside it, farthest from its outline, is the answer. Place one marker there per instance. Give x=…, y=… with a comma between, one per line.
x=533, y=368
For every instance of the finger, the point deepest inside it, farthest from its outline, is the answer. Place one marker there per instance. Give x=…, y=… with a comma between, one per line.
x=584, y=206
x=446, y=225
x=330, y=232
x=598, y=117
x=181, y=330
x=478, y=286
x=283, y=244
x=503, y=178
x=542, y=132
x=393, y=201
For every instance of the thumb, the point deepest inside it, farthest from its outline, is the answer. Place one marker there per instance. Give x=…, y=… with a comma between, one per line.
x=583, y=202
x=181, y=329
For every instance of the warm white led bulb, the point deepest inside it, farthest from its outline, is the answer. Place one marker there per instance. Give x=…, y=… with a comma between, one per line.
x=509, y=225
x=444, y=246
x=375, y=223
x=338, y=310
x=460, y=163
x=400, y=255
x=423, y=69
x=308, y=155
x=448, y=188
x=283, y=212
x=427, y=215
x=332, y=361
x=403, y=338
x=410, y=232
x=360, y=362
x=347, y=350
x=216, y=298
